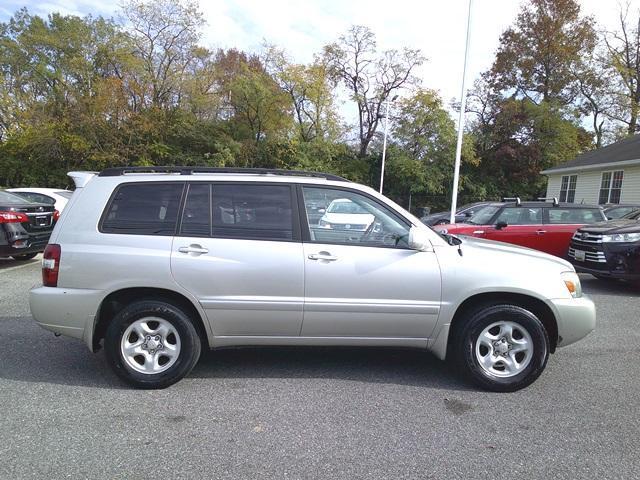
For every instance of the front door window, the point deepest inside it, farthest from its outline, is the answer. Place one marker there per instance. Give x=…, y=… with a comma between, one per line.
x=348, y=218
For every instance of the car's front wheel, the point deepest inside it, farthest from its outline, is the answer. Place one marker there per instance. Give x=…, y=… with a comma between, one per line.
x=152, y=344
x=502, y=348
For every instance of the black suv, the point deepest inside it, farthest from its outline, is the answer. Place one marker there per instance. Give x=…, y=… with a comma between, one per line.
x=25, y=227
x=608, y=249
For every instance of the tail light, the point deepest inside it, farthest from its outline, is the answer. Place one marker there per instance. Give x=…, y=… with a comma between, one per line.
x=56, y=215
x=13, y=217
x=51, y=265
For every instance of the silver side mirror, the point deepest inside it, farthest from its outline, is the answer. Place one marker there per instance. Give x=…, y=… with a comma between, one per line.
x=419, y=239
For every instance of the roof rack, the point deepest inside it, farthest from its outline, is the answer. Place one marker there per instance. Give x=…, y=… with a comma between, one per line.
x=119, y=171
x=544, y=199
x=512, y=199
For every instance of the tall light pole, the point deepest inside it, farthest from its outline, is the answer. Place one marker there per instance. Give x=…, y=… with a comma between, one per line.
x=384, y=142
x=463, y=104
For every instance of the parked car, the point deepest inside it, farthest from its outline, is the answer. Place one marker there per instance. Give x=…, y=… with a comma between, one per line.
x=343, y=214
x=608, y=249
x=543, y=226
x=47, y=196
x=144, y=263
x=618, y=211
x=462, y=214
x=25, y=226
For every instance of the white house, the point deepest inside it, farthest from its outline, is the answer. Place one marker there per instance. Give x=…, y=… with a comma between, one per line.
x=607, y=175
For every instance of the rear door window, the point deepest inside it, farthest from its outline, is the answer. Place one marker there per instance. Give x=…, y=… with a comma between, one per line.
x=574, y=216
x=143, y=209
x=521, y=216
x=253, y=211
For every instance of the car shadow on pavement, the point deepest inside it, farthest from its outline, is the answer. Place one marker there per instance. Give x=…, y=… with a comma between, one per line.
x=595, y=286
x=10, y=263
x=372, y=365
x=29, y=354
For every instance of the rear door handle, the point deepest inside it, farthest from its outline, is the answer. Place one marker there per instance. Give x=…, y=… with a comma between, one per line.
x=541, y=232
x=327, y=257
x=193, y=248
x=478, y=232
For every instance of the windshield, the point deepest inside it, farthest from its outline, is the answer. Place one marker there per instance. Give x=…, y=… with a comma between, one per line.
x=7, y=198
x=345, y=206
x=482, y=216
x=635, y=215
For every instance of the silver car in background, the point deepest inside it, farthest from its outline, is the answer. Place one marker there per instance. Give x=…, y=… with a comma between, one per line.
x=155, y=263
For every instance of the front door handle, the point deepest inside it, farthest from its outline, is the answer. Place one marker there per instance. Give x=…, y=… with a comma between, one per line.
x=541, y=232
x=478, y=232
x=193, y=248
x=325, y=256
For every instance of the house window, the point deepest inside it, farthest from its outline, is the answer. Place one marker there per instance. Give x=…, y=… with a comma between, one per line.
x=611, y=187
x=568, y=188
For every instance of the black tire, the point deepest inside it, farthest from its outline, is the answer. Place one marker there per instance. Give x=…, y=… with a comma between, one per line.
x=190, y=344
x=24, y=256
x=467, y=335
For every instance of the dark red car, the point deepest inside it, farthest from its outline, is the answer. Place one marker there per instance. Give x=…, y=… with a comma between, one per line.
x=544, y=226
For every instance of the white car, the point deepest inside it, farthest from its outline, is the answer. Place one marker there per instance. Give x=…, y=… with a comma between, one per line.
x=50, y=196
x=344, y=214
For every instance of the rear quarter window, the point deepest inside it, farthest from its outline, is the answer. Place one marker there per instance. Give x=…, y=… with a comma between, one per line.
x=575, y=215
x=143, y=209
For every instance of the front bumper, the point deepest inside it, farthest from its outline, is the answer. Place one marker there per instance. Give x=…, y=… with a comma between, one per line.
x=576, y=318
x=617, y=260
x=66, y=311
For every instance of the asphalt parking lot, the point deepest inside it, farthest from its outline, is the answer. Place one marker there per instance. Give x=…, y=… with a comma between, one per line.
x=316, y=413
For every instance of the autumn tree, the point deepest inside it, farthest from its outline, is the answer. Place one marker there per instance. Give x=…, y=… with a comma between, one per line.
x=369, y=76
x=623, y=48
x=164, y=34
x=311, y=91
x=537, y=55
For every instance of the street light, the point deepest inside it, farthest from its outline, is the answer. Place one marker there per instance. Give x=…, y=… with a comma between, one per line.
x=384, y=142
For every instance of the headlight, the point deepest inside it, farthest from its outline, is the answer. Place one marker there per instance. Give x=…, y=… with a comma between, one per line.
x=572, y=282
x=324, y=224
x=622, y=237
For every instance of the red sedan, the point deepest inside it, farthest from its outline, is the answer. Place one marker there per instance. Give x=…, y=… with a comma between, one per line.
x=542, y=226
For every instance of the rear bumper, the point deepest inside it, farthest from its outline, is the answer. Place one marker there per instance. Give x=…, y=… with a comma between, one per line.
x=576, y=318
x=66, y=311
x=13, y=234
x=9, y=251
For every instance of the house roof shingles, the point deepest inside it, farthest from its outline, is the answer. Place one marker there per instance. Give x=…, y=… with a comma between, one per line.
x=627, y=149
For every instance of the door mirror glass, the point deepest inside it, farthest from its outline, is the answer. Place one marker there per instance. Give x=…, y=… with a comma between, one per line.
x=419, y=239
x=501, y=225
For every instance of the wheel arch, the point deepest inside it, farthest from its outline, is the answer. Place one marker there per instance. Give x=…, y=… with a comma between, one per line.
x=535, y=305
x=117, y=300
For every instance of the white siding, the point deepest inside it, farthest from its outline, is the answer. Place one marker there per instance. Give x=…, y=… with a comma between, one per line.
x=588, y=185
x=631, y=185
x=553, y=186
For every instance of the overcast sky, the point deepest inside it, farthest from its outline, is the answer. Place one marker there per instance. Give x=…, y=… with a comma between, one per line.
x=436, y=27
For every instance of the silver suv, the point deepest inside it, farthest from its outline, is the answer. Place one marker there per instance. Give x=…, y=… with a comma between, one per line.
x=157, y=263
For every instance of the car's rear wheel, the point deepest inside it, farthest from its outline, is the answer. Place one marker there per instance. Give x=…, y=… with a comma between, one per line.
x=502, y=348
x=152, y=344
x=25, y=256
